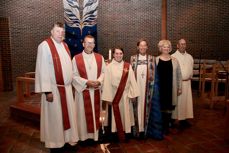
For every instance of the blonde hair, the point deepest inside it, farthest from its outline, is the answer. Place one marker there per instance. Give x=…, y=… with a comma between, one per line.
x=164, y=42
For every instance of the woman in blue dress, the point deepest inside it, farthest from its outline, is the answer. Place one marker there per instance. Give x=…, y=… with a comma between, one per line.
x=167, y=87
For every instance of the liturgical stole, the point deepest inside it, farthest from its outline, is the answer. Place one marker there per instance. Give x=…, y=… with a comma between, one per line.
x=86, y=95
x=60, y=80
x=117, y=98
x=149, y=77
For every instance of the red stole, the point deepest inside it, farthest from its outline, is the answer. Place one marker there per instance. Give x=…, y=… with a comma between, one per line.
x=117, y=99
x=60, y=81
x=86, y=95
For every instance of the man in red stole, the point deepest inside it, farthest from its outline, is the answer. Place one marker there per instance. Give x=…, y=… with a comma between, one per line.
x=119, y=87
x=88, y=69
x=53, y=80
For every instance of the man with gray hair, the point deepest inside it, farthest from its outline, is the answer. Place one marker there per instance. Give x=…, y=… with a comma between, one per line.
x=53, y=80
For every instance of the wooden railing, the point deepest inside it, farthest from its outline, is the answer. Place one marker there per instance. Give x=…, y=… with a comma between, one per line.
x=27, y=84
x=27, y=104
x=23, y=84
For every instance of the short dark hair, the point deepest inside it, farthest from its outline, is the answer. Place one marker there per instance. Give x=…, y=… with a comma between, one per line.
x=58, y=24
x=88, y=36
x=120, y=48
x=178, y=42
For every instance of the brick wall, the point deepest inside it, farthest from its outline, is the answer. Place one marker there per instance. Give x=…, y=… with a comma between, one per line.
x=30, y=24
x=5, y=56
x=205, y=24
x=123, y=22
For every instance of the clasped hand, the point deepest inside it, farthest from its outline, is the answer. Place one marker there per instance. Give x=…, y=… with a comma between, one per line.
x=93, y=84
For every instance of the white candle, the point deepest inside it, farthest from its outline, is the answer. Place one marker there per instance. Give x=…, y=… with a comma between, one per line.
x=109, y=57
x=102, y=119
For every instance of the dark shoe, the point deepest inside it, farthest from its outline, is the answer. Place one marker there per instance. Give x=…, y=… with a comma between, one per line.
x=56, y=150
x=114, y=137
x=183, y=124
x=142, y=136
x=166, y=131
x=188, y=124
x=68, y=147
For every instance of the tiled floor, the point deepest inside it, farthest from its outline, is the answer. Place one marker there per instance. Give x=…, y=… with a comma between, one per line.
x=205, y=136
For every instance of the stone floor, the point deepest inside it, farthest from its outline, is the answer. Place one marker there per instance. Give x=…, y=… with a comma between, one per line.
x=205, y=136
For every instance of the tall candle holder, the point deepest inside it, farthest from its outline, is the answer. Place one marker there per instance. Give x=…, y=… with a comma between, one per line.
x=102, y=120
x=103, y=145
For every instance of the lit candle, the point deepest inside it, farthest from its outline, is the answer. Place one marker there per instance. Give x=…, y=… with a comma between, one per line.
x=102, y=119
x=109, y=57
